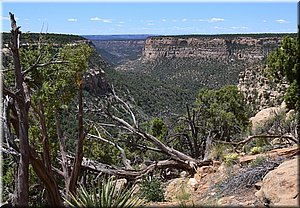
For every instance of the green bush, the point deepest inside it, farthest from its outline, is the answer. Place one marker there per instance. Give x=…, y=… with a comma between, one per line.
x=152, y=190
x=256, y=150
x=231, y=159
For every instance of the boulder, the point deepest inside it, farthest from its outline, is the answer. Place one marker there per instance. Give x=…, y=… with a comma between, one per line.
x=120, y=184
x=179, y=189
x=265, y=115
x=280, y=186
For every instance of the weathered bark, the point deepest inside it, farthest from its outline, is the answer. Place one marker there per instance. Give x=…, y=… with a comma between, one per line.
x=208, y=146
x=45, y=138
x=53, y=195
x=191, y=121
x=62, y=147
x=79, y=147
x=135, y=174
x=22, y=107
x=52, y=191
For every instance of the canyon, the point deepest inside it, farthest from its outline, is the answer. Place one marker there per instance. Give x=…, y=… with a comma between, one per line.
x=190, y=62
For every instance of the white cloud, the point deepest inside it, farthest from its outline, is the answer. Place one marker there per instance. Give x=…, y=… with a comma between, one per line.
x=164, y=20
x=95, y=19
x=264, y=20
x=281, y=21
x=219, y=28
x=72, y=20
x=150, y=24
x=107, y=20
x=101, y=20
x=238, y=28
x=215, y=19
x=184, y=20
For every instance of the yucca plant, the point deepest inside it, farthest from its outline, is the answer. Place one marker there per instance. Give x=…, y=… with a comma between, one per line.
x=106, y=195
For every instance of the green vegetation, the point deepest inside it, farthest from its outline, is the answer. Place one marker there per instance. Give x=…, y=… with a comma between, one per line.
x=158, y=128
x=283, y=63
x=231, y=159
x=155, y=98
x=116, y=52
x=53, y=37
x=256, y=150
x=106, y=194
x=218, y=115
x=152, y=189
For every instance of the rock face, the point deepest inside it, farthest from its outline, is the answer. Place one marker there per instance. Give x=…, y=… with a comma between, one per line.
x=210, y=47
x=177, y=189
x=280, y=186
x=259, y=91
x=95, y=80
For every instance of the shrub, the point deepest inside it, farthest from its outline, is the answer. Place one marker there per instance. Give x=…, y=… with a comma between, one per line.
x=231, y=159
x=256, y=150
x=152, y=190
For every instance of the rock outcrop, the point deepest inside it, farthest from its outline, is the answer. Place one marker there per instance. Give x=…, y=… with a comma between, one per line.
x=265, y=115
x=260, y=92
x=211, y=47
x=280, y=186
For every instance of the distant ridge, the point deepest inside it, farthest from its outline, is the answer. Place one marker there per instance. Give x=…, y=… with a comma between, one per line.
x=118, y=37
x=229, y=35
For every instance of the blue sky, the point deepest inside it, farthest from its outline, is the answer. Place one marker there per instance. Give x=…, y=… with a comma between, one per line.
x=165, y=18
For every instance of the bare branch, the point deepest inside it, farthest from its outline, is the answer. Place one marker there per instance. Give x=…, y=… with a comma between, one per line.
x=126, y=106
x=6, y=91
x=125, y=161
x=37, y=65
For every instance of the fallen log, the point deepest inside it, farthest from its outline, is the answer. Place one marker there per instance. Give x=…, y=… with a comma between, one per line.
x=97, y=167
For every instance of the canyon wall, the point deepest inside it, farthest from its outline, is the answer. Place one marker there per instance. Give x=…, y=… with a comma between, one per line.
x=217, y=47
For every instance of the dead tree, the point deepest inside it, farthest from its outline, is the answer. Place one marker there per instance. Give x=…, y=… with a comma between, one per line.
x=20, y=108
x=177, y=159
x=22, y=104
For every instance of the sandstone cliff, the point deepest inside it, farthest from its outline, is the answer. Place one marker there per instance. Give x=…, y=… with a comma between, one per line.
x=219, y=47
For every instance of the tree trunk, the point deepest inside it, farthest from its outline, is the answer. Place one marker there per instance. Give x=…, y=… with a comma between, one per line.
x=208, y=146
x=22, y=107
x=53, y=195
x=62, y=147
x=79, y=148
